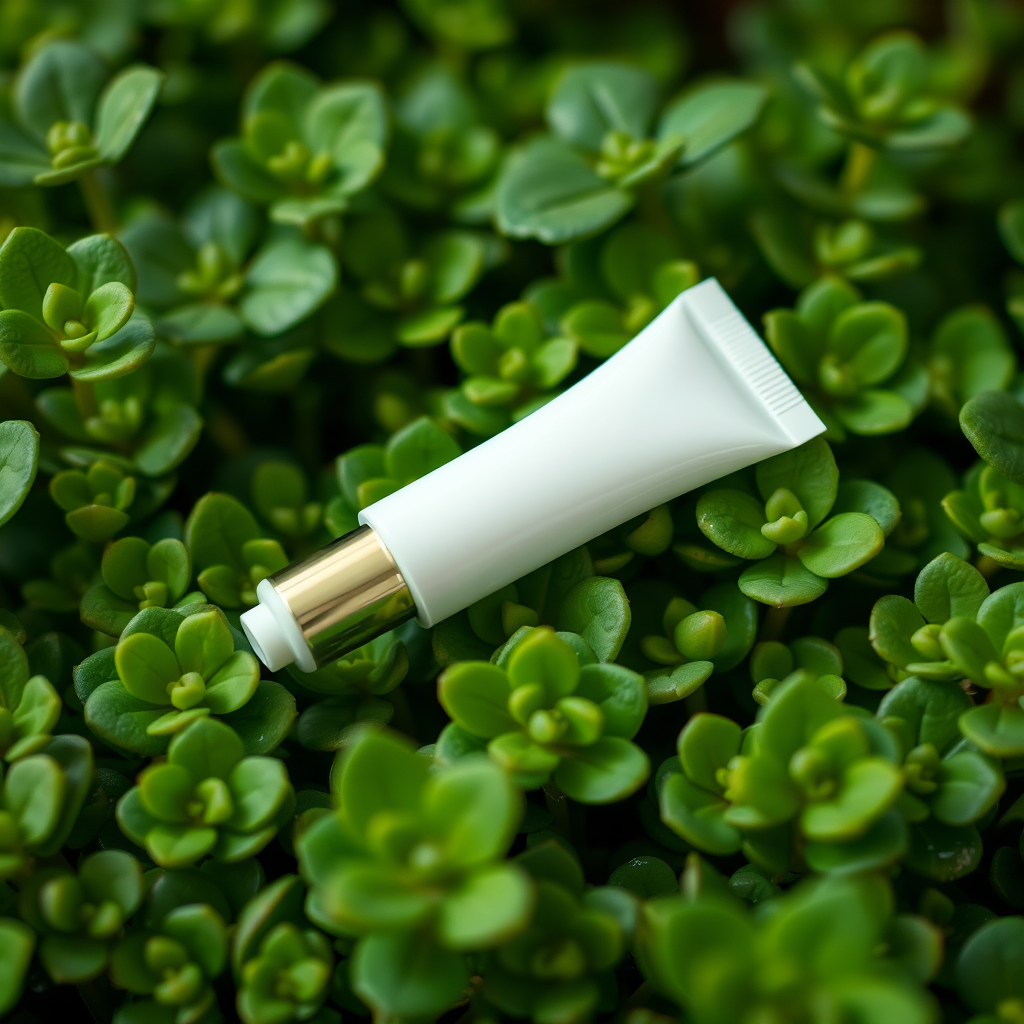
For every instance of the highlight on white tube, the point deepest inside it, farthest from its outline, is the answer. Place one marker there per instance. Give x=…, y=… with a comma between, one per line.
x=695, y=396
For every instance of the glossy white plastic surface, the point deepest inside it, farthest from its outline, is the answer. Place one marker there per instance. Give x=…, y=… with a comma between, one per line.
x=695, y=396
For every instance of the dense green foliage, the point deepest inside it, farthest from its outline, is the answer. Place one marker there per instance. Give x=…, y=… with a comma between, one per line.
x=753, y=757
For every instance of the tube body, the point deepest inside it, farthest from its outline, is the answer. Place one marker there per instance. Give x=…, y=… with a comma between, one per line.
x=695, y=396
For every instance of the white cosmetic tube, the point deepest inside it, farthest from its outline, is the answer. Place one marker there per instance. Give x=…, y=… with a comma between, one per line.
x=695, y=396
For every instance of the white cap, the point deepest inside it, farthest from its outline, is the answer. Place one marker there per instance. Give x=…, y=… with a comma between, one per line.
x=274, y=634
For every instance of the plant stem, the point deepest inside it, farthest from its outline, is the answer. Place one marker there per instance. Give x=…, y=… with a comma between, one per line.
x=651, y=204
x=97, y=202
x=558, y=804
x=85, y=398
x=774, y=623
x=860, y=161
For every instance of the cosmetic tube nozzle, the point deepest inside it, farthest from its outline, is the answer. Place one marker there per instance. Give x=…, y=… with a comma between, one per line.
x=328, y=604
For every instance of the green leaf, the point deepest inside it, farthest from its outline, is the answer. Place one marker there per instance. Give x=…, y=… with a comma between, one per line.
x=604, y=772
x=429, y=326
x=371, y=897
x=207, y=748
x=881, y=845
x=167, y=561
x=740, y=614
x=60, y=83
x=969, y=785
x=809, y=471
x=72, y=959
x=287, y=280
x=475, y=808
x=265, y=719
x=590, y=100
x=37, y=711
x=259, y=786
x=792, y=341
x=168, y=440
x=597, y=328
x=27, y=347
x=120, y=354
x=529, y=763
x=490, y=906
x=378, y=773
x=894, y=620
x=598, y=610
x=544, y=659
x=698, y=816
x=870, y=339
x=550, y=193
x=96, y=523
x=989, y=966
x=710, y=116
x=236, y=167
x=1011, y=228
x=993, y=422
x=841, y=544
x=871, y=498
x=782, y=581
x=620, y=694
x=33, y=792
x=122, y=720
x=204, y=643
x=147, y=666
x=30, y=261
x=19, y=458
x=995, y=729
x=875, y=412
x=418, y=449
x=217, y=529
x=971, y=350
x=947, y=587
x=701, y=953
x=21, y=158
x=350, y=122
x=929, y=708
x=968, y=646
x=124, y=567
x=233, y=683
x=664, y=687
x=475, y=694
x=107, y=309
x=201, y=930
x=455, y=259
x=732, y=520
x=123, y=108
x=401, y=974
x=173, y=846
x=17, y=943
x=867, y=790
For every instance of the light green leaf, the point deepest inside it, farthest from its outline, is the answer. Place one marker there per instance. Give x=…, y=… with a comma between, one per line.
x=604, y=772
x=27, y=347
x=590, y=100
x=489, y=907
x=19, y=458
x=146, y=666
x=550, y=193
x=287, y=281
x=123, y=108
x=711, y=116
x=841, y=544
x=30, y=261
x=782, y=581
